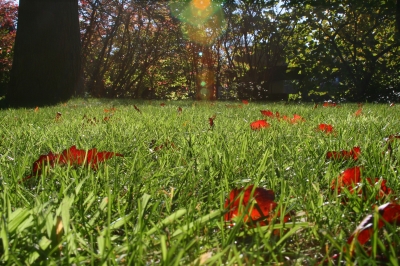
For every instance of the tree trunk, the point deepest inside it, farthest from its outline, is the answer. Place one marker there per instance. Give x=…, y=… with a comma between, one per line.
x=47, y=61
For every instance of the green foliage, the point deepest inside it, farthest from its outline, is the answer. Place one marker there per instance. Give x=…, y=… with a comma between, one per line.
x=349, y=49
x=166, y=206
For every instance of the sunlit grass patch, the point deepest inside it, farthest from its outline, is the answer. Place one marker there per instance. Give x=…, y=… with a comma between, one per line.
x=163, y=201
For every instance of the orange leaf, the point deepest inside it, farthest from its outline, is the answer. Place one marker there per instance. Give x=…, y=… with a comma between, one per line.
x=256, y=125
x=325, y=128
x=358, y=112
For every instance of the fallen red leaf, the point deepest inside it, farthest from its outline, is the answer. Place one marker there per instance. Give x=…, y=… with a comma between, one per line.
x=263, y=205
x=358, y=112
x=167, y=144
x=255, y=205
x=137, y=109
x=72, y=157
x=351, y=177
x=347, y=179
x=162, y=104
x=392, y=137
x=245, y=101
x=58, y=116
x=267, y=113
x=256, y=125
x=389, y=213
x=211, y=121
x=296, y=118
x=329, y=104
x=344, y=155
x=325, y=128
x=110, y=110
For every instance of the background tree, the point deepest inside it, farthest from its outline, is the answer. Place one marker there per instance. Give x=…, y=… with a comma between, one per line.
x=255, y=45
x=47, y=63
x=349, y=48
x=8, y=19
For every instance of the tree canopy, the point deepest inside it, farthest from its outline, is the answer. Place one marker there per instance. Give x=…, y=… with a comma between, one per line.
x=342, y=49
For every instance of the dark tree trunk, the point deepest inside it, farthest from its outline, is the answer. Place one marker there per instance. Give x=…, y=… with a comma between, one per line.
x=47, y=61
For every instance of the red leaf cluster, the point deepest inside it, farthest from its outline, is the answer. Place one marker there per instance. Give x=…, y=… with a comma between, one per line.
x=72, y=157
x=256, y=125
x=245, y=102
x=296, y=118
x=351, y=177
x=327, y=128
x=344, y=155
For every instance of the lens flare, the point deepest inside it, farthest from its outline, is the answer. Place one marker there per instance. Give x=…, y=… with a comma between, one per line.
x=203, y=20
x=206, y=81
x=201, y=4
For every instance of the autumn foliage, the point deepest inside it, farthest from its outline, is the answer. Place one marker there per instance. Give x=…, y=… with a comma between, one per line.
x=253, y=204
x=259, y=124
x=71, y=157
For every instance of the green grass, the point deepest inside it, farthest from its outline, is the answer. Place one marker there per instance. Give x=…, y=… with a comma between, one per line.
x=167, y=207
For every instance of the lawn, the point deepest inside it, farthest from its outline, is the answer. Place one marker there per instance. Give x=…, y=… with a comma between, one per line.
x=163, y=201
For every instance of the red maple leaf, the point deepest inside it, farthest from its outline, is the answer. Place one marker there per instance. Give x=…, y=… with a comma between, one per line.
x=325, y=128
x=389, y=213
x=253, y=204
x=267, y=113
x=256, y=125
x=73, y=157
x=263, y=205
x=350, y=179
x=344, y=155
